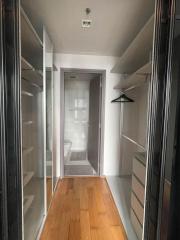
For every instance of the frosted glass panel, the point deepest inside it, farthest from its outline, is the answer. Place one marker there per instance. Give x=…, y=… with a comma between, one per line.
x=77, y=114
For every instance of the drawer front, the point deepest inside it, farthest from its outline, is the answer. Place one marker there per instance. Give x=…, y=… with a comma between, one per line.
x=138, y=189
x=139, y=170
x=138, y=209
x=136, y=225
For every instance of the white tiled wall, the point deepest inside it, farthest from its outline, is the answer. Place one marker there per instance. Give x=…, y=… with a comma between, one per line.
x=77, y=113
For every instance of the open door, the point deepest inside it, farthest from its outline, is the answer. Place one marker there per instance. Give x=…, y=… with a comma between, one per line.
x=94, y=123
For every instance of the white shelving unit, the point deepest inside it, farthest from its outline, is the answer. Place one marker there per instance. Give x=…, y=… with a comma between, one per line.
x=136, y=79
x=136, y=66
x=31, y=43
x=32, y=88
x=139, y=51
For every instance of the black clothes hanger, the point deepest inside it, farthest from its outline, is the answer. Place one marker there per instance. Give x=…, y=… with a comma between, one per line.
x=122, y=99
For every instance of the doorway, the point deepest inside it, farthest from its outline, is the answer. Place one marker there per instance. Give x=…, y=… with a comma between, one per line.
x=82, y=122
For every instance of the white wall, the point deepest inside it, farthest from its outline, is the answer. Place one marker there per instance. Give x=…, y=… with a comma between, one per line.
x=112, y=110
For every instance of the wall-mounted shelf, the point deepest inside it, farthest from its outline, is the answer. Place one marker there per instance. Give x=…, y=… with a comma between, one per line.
x=31, y=44
x=27, y=202
x=27, y=150
x=27, y=176
x=136, y=79
x=29, y=73
x=138, y=52
x=134, y=142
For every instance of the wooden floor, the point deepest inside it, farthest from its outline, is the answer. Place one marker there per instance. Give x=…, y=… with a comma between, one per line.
x=83, y=209
x=49, y=190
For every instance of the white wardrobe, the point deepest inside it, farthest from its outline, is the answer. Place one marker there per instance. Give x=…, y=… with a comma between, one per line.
x=135, y=67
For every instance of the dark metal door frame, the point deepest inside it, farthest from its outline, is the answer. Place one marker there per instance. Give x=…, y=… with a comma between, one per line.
x=168, y=216
x=157, y=120
x=10, y=141
x=3, y=182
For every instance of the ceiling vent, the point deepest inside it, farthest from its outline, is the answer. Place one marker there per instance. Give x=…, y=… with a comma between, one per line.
x=86, y=23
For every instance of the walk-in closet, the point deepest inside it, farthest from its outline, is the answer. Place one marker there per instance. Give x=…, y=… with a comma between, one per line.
x=89, y=119
x=129, y=187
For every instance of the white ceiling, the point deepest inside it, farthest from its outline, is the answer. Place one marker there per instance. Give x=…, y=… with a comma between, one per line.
x=114, y=23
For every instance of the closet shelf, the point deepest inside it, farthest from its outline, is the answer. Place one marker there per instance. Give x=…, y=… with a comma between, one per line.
x=28, y=122
x=136, y=79
x=134, y=142
x=81, y=122
x=31, y=43
x=139, y=51
x=27, y=150
x=78, y=109
x=29, y=73
x=27, y=202
x=27, y=176
x=26, y=93
x=26, y=24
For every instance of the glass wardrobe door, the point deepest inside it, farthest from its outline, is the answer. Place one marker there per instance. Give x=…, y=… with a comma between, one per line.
x=49, y=115
x=32, y=128
x=33, y=165
x=156, y=119
x=170, y=220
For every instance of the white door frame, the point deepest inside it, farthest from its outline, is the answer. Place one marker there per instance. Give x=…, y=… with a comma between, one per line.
x=102, y=116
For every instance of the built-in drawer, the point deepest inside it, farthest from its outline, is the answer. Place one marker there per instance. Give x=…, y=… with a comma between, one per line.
x=138, y=189
x=139, y=170
x=136, y=225
x=137, y=207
